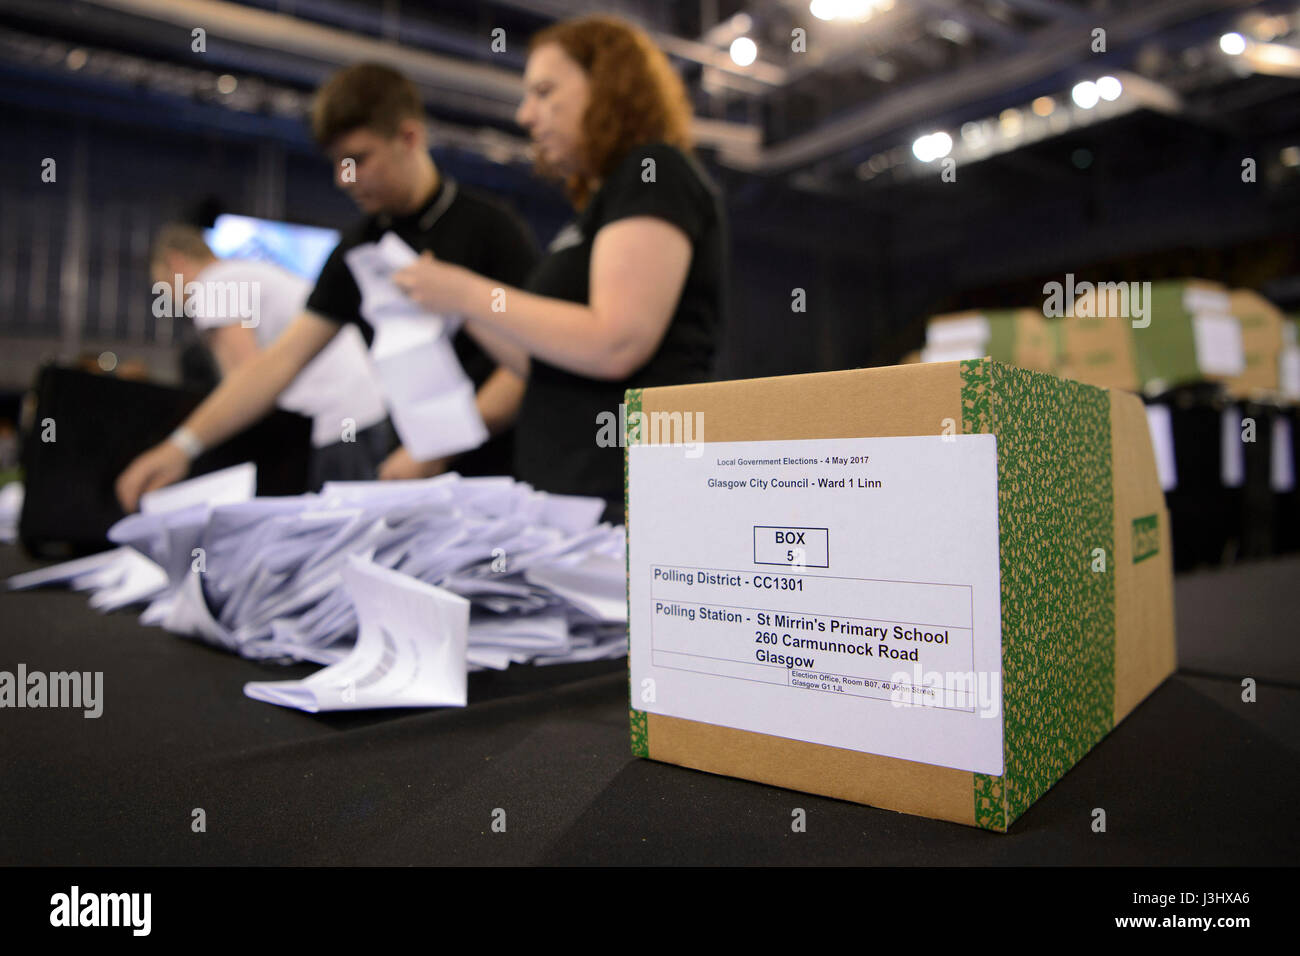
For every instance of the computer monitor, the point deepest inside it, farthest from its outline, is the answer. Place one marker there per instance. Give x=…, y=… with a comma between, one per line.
x=300, y=249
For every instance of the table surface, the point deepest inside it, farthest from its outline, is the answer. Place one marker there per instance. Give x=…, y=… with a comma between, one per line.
x=1195, y=776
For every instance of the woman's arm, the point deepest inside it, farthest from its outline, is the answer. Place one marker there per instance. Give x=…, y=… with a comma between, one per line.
x=638, y=269
x=507, y=354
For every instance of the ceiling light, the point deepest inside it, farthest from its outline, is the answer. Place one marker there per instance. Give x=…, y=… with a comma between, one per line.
x=743, y=51
x=931, y=147
x=1232, y=44
x=1085, y=94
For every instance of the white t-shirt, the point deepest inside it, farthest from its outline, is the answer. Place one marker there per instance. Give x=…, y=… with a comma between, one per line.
x=336, y=385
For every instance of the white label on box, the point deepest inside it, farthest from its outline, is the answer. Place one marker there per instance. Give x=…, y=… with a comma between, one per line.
x=1289, y=372
x=1232, y=453
x=1219, y=349
x=971, y=331
x=840, y=591
x=952, y=353
x=1197, y=299
x=1282, y=472
x=1161, y=425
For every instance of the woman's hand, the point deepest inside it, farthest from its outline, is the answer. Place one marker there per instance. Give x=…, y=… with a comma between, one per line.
x=401, y=466
x=161, y=465
x=437, y=286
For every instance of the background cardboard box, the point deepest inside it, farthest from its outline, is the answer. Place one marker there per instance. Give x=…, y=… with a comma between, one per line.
x=1191, y=336
x=1097, y=350
x=1261, y=342
x=1080, y=649
x=1019, y=337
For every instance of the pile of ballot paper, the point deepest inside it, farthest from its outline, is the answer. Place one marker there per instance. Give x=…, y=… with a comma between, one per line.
x=399, y=587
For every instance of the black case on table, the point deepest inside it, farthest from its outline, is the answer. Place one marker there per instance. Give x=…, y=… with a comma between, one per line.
x=100, y=424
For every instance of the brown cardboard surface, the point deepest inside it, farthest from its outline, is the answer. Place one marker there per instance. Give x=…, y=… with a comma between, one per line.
x=1144, y=600
x=938, y=792
x=1034, y=349
x=1098, y=351
x=894, y=401
x=1261, y=339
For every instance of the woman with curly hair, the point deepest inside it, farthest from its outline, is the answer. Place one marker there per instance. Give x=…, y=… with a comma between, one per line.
x=630, y=294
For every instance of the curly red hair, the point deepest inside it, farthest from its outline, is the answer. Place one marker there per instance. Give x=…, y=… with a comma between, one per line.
x=636, y=95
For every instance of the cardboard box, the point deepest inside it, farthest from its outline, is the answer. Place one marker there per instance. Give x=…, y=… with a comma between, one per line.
x=1019, y=337
x=1097, y=350
x=1261, y=340
x=1066, y=544
x=1152, y=336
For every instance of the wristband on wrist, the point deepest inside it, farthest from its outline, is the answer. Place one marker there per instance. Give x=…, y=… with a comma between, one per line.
x=186, y=441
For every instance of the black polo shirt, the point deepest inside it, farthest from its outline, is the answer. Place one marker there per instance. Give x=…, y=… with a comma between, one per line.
x=460, y=226
x=555, y=444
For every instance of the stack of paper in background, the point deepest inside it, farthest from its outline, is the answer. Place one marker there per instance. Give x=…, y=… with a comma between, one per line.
x=540, y=579
x=1019, y=337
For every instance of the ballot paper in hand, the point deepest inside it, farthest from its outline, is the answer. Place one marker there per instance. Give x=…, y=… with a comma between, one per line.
x=430, y=398
x=410, y=649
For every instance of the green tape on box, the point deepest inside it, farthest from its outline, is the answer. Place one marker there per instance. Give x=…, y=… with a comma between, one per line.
x=1055, y=507
x=1002, y=335
x=639, y=724
x=1165, y=351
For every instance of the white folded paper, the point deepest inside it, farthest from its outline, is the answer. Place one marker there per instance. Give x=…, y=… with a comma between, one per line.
x=278, y=579
x=118, y=577
x=430, y=398
x=410, y=649
x=237, y=483
x=11, y=509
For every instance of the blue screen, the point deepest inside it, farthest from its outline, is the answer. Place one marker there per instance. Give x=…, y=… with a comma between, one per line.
x=300, y=249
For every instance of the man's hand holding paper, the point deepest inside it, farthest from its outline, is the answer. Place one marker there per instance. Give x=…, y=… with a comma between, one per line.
x=431, y=399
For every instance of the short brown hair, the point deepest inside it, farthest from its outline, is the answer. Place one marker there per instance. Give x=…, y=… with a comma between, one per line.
x=636, y=96
x=368, y=95
x=180, y=237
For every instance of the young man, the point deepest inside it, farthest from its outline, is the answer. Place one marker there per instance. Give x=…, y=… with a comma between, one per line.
x=351, y=436
x=370, y=122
